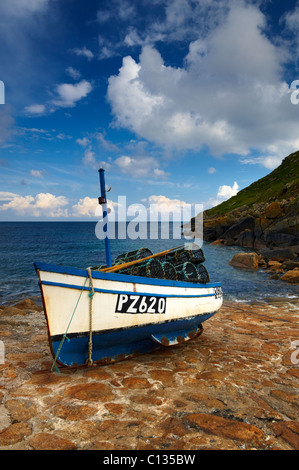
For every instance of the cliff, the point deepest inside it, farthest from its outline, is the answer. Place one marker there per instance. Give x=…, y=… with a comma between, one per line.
x=265, y=215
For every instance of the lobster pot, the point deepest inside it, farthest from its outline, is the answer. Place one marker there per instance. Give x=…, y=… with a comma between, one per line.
x=182, y=256
x=202, y=274
x=169, y=271
x=186, y=272
x=196, y=256
x=132, y=256
x=151, y=268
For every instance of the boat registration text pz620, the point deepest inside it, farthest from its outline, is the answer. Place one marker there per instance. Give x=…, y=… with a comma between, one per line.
x=140, y=304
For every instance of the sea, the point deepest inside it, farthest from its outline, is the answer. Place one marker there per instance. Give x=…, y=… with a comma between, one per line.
x=75, y=244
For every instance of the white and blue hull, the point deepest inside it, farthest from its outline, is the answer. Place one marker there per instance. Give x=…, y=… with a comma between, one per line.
x=128, y=315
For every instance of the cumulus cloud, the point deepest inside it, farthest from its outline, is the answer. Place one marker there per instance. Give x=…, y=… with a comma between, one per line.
x=69, y=94
x=89, y=207
x=229, y=94
x=86, y=207
x=225, y=192
x=43, y=204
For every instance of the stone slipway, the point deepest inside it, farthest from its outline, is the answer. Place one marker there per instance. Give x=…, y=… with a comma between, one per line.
x=235, y=387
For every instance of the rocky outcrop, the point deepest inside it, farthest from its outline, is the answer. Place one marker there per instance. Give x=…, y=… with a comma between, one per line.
x=267, y=225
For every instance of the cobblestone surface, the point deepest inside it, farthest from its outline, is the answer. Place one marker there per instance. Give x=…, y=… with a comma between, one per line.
x=234, y=387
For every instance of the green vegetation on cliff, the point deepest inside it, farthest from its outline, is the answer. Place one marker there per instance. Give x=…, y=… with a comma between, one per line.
x=281, y=184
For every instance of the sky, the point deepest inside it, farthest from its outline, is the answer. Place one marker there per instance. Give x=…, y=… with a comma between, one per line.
x=182, y=102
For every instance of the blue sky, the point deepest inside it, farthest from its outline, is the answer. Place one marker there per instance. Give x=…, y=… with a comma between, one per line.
x=181, y=101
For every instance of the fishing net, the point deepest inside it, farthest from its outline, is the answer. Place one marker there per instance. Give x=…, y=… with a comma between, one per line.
x=169, y=271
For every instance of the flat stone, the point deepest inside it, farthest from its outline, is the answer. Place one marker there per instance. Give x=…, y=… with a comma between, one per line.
x=227, y=428
x=21, y=410
x=47, y=441
x=289, y=431
x=17, y=432
x=136, y=383
x=287, y=397
x=73, y=412
x=90, y=392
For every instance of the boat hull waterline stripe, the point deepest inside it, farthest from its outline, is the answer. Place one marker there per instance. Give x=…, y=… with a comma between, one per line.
x=108, y=291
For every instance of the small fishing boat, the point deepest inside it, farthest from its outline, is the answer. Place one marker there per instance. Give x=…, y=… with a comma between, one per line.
x=105, y=314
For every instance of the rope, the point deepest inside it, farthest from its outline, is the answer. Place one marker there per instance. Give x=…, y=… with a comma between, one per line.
x=65, y=334
x=91, y=294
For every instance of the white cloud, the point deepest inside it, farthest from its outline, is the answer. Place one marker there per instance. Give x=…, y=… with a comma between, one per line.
x=228, y=95
x=43, y=204
x=140, y=167
x=83, y=52
x=6, y=196
x=83, y=142
x=74, y=73
x=89, y=207
x=89, y=158
x=163, y=208
x=212, y=170
x=37, y=173
x=35, y=109
x=70, y=94
x=86, y=207
x=225, y=192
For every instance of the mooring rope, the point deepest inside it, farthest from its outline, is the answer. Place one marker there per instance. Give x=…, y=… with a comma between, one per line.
x=91, y=294
x=65, y=334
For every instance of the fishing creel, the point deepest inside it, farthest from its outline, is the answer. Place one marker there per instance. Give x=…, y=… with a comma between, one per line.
x=186, y=272
x=150, y=268
x=169, y=271
x=202, y=274
x=132, y=256
x=182, y=256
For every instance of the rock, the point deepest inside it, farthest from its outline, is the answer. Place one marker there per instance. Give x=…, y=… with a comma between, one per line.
x=278, y=254
x=245, y=260
x=14, y=433
x=291, y=276
x=246, y=239
x=273, y=211
x=289, y=265
x=47, y=441
x=227, y=428
x=136, y=383
x=288, y=431
x=232, y=233
x=220, y=241
x=90, y=392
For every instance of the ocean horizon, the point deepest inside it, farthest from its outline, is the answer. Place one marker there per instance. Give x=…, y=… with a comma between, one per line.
x=75, y=244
